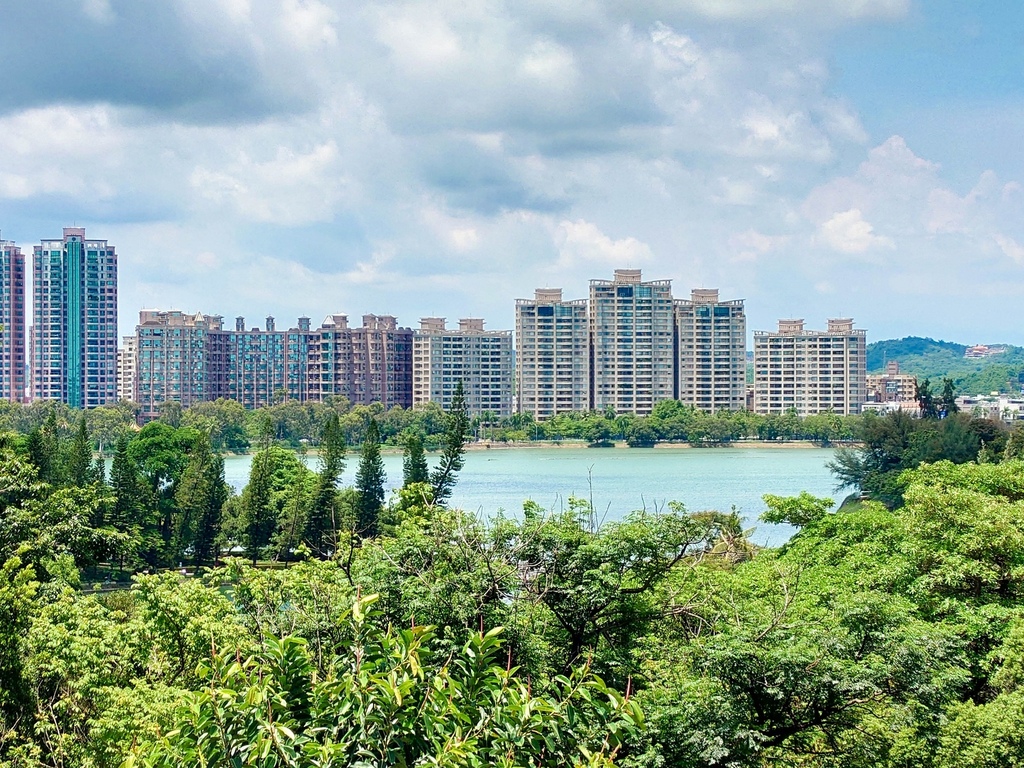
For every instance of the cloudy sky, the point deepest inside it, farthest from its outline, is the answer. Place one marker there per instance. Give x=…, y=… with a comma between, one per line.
x=251, y=157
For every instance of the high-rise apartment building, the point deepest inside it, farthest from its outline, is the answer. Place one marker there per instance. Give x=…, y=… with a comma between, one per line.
x=127, y=358
x=12, y=322
x=712, y=362
x=249, y=364
x=370, y=364
x=552, y=354
x=480, y=359
x=632, y=364
x=810, y=371
x=173, y=359
x=74, y=333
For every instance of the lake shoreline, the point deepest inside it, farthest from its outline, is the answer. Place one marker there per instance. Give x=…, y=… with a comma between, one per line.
x=618, y=445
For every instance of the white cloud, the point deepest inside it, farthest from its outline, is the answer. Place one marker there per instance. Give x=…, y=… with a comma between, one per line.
x=825, y=10
x=98, y=11
x=290, y=189
x=848, y=232
x=749, y=246
x=1010, y=247
x=582, y=243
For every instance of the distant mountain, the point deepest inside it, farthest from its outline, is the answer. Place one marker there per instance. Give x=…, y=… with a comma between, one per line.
x=936, y=360
x=912, y=350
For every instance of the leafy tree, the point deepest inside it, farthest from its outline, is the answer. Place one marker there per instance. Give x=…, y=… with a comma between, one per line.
x=161, y=453
x=129, y=491
x=1015, y=443
x=370, y=480
x=385, y=701
x=600, y=584
x=170, y=413
x=224, y=420
x=453, y=451
x=17, y=594
x=109, y=422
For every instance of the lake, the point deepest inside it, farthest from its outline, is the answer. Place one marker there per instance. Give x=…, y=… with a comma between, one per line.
x=620, y=480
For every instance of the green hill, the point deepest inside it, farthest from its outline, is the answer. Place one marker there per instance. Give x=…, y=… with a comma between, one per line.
x=935, y=360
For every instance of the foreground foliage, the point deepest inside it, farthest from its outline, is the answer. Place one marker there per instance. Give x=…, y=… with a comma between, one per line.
x=874, y=637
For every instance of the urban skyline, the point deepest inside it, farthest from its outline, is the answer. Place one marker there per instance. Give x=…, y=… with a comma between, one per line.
x=817, y=158
x=630, y=345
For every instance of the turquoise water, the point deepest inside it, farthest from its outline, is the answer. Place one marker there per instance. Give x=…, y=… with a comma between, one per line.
x=621, y=480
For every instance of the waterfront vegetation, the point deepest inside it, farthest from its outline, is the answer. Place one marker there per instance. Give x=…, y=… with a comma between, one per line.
x=298, y=426
x=354, y=629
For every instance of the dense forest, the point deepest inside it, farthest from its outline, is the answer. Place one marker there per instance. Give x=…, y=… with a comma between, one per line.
x=380, y=632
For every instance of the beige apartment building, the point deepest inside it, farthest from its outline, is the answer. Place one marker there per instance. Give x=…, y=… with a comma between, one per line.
x=632, y=346
x=127, y=355
x=891, y=386
x=552, y=354
x=810, y=371
x=480, y=359
x=712, y=361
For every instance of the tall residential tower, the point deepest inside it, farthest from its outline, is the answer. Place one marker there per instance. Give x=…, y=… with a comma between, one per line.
x=810, y=371
x=632, y=363
x=74, y=320
x=552, y=354
x=12, y=322
x=712, y=338
x=481, y=360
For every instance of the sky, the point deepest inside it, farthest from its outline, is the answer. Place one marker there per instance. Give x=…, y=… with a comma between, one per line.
x=817, y=158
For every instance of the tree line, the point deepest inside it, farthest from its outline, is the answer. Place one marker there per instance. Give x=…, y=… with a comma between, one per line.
x=231, y=428
x=299, y=426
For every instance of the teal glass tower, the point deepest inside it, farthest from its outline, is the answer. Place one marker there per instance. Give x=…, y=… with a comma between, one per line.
x=74, y=330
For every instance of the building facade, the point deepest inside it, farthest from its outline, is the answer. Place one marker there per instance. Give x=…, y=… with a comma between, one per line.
x=12, y=322
x=480, y=359
x=249, y=364
x=632, y=364
x=552, y=354
x=891, y=386
x=127, y=364
x=74, y=334
x=173, y=359
x=369, y=364
x=712, y=361
x=810, y=371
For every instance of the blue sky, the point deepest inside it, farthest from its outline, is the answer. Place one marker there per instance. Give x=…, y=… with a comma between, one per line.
x=816, y=158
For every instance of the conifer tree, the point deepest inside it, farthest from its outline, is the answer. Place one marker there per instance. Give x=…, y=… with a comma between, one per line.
x=44, y=449
x=257, y=506
x=200, y=498
x=444, y=477
x=322, y=522
x=126, y=483
x=414, y=463
x=78, y=466
x=370, y=484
